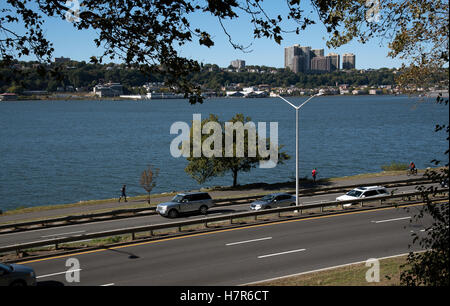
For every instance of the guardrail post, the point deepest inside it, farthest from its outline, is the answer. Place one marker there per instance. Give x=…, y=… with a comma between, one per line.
x=362, y=204
x=133, y=236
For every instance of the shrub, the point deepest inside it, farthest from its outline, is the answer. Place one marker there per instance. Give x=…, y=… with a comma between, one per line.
x=395, y=166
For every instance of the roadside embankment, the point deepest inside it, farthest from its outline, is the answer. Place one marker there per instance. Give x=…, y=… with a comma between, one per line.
x=97, y=206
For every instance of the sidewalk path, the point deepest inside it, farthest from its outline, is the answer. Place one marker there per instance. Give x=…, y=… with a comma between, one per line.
x=114, y=205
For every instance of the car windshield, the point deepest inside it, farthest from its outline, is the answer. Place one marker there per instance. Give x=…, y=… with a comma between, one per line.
x=267, y=198
x=177, y=198
x=354, y=193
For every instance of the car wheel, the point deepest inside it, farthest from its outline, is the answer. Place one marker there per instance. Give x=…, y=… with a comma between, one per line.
x=173, y=213
x=293, y=204
x=203, y=209
x=267, y=207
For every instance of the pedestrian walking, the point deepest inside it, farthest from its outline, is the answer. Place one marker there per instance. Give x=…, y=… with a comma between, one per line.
x=314, y=174
x=123, y=194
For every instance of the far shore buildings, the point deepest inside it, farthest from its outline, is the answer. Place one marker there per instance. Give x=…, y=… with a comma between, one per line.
x=321, y=63
x=335, y=61
x=304, y=59
x=8, y=97
x=248, y=92
x=238, y=64
x=108, y=90
x=62, y=59
x=348, y=61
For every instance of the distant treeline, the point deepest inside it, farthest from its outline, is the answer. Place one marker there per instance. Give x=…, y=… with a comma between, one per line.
x=85, y=76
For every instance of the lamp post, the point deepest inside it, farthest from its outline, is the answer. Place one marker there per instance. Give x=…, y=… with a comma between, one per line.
x=296, y=140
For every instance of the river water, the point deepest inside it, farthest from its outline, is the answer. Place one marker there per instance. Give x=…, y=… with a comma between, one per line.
x=54, y=152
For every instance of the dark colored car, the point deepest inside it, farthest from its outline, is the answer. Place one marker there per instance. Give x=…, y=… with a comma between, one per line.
x=16, y=275
x=274, y=200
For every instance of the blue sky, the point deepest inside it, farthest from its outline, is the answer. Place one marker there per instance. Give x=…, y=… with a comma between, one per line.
x=79, y=45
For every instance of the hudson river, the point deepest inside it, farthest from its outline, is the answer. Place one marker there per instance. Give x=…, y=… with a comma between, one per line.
x=55, y=152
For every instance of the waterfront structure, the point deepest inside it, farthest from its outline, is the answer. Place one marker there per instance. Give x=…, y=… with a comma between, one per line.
x=248, y=92
x=238, y=64
x=108, y=90
x=348, y=61
x=8, y=97
x=335, y=61
x=375, y=91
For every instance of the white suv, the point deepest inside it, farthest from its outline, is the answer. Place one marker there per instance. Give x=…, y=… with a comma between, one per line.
x=362, y=193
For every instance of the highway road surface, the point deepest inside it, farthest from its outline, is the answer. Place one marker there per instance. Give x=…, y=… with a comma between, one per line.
x=242, y=255
x=98, y=226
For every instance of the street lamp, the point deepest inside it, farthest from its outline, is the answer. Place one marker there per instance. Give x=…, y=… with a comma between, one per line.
x=296, y=140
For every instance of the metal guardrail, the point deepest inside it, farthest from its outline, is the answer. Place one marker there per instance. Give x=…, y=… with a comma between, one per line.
x=150, y=228
x=125, y=213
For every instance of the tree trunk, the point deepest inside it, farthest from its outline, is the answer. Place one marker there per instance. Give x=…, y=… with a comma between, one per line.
x=149, y=198
x=235, y=173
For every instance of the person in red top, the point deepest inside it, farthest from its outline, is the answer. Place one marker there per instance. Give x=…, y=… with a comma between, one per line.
x=412, y=168
x=314, y=173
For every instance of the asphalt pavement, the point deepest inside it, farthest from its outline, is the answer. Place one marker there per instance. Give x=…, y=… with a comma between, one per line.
x=99, y=226
x=242, y=255
x=114, y=204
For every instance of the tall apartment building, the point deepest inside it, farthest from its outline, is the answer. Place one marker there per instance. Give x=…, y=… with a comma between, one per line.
x=335, y=61
x=238, y=64
x=321, y=64
x=305, y=59
x=348, y=61
x=318, y=52
x=297, y=58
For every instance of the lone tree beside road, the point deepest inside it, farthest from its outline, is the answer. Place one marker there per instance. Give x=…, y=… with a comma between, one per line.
x=203, y=168
x=148, y=178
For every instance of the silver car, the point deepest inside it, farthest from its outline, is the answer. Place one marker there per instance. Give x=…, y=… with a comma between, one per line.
x=16, y=275
x=273, y=200
x=185, y=203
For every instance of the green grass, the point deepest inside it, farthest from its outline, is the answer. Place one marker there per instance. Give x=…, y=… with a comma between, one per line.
x=353, y=275
x=395, y=166
x=141, y=200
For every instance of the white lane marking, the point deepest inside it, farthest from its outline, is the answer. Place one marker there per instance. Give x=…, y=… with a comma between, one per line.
x=318, y=270
x=247, y=241
x=282, y=253
x=58, y=273
x=389, y=220
x=422, y=230
x=62, y=234
x=106, y=285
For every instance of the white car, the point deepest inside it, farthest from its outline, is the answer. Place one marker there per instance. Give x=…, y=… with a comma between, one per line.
x=363, y=193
